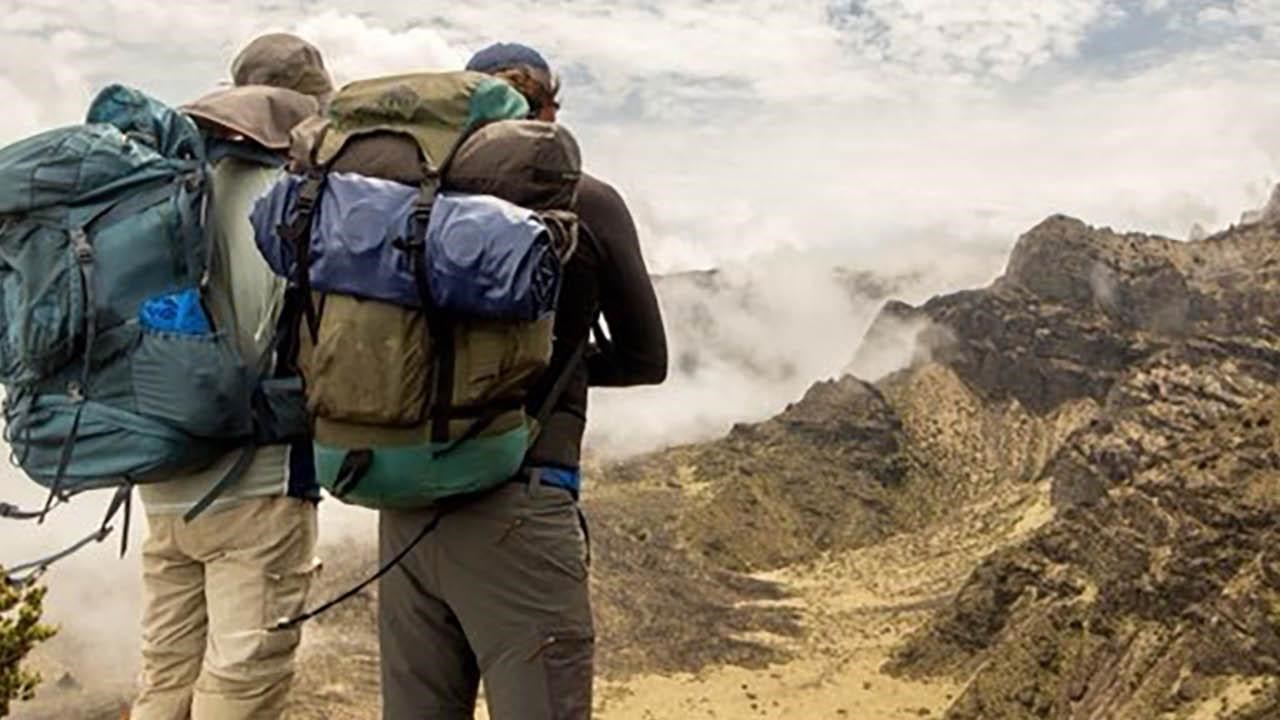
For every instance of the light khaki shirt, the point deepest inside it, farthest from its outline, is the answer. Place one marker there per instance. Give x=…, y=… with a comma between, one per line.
x=245, y=297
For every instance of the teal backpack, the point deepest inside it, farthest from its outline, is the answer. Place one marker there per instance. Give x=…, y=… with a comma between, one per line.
x=112, y=374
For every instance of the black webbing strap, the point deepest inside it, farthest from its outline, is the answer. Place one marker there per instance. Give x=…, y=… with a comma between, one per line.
x=77, y=391
x=290, y=623
x=232, y=476
x=13, y=512
x=19, y=399
x=481, y=423
x=297, y=231
x=561, y=383
x=28, y=572
x=440, y=327
x=355, y=464
x=444, y=367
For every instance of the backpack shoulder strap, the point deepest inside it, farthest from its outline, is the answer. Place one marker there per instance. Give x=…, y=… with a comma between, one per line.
x=548, y=404
x=297, y=231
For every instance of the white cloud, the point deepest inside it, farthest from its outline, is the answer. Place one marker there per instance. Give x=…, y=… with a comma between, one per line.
x=1000, y=38
x=355, y=48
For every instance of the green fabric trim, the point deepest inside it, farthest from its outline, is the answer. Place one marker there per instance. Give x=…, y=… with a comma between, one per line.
x=402, y=478
x=493, y=99
x=354, y=435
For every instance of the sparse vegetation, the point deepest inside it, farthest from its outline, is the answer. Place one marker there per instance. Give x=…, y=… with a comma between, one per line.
x=21, y=629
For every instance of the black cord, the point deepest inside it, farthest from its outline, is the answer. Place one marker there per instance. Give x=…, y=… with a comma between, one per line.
x=290, y=623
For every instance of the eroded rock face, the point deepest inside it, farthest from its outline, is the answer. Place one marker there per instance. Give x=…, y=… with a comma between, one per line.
x=1128, y=373
x=816, y=477
x=1112, y=610
x=1156, y=585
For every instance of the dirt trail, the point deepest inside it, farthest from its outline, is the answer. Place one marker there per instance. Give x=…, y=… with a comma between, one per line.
x=855, y=608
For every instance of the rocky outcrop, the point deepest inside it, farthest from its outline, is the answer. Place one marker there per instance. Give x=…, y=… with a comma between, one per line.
x=1078, y=306
x=1155, y=591
x=815, y=478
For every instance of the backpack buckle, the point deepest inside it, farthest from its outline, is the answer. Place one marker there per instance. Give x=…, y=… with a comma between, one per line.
x=304, y=205
x=408, y=245
x=80, y=243
x=311, y=187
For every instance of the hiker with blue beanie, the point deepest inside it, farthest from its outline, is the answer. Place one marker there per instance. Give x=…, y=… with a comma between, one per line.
x=499, y=591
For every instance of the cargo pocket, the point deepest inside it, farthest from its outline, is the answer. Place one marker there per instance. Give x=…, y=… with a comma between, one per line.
x=531, y=351
x=500, y=359
x=369, y=364
x=195, y=383
x=551, y=530
x=567, y=657
x=285, y=598
x=41, y=302
x=479, y=348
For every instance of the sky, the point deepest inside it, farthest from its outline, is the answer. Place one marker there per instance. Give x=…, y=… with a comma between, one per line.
x=772, y=139
x=743, y=127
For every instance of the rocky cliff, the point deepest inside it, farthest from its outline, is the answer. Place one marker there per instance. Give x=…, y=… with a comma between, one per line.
x=1155, y=591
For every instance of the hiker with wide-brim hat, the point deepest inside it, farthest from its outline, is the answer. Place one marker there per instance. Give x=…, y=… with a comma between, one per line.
x=231, y=549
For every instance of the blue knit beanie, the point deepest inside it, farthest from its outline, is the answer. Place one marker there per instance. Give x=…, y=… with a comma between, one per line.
x=499, y=56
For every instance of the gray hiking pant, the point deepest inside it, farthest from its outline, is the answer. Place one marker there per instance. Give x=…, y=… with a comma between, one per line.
x=498, y=591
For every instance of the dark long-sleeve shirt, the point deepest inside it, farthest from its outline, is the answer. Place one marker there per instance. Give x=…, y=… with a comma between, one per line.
x=606, y=275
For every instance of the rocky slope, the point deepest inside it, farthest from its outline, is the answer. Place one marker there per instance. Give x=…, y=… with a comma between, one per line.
x=1064, y=508
x=1155, y=592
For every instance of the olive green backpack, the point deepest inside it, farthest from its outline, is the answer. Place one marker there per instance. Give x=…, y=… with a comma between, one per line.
x=414, y=400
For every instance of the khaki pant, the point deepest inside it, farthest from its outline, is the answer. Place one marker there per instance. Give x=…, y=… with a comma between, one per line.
x=211, y=588
x=498, y=591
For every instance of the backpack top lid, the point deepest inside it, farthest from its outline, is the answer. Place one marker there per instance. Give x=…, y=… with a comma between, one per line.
x=148, y=121
x=435, y=109
x=261, y=113
x=531, y=163
x=128, y=138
